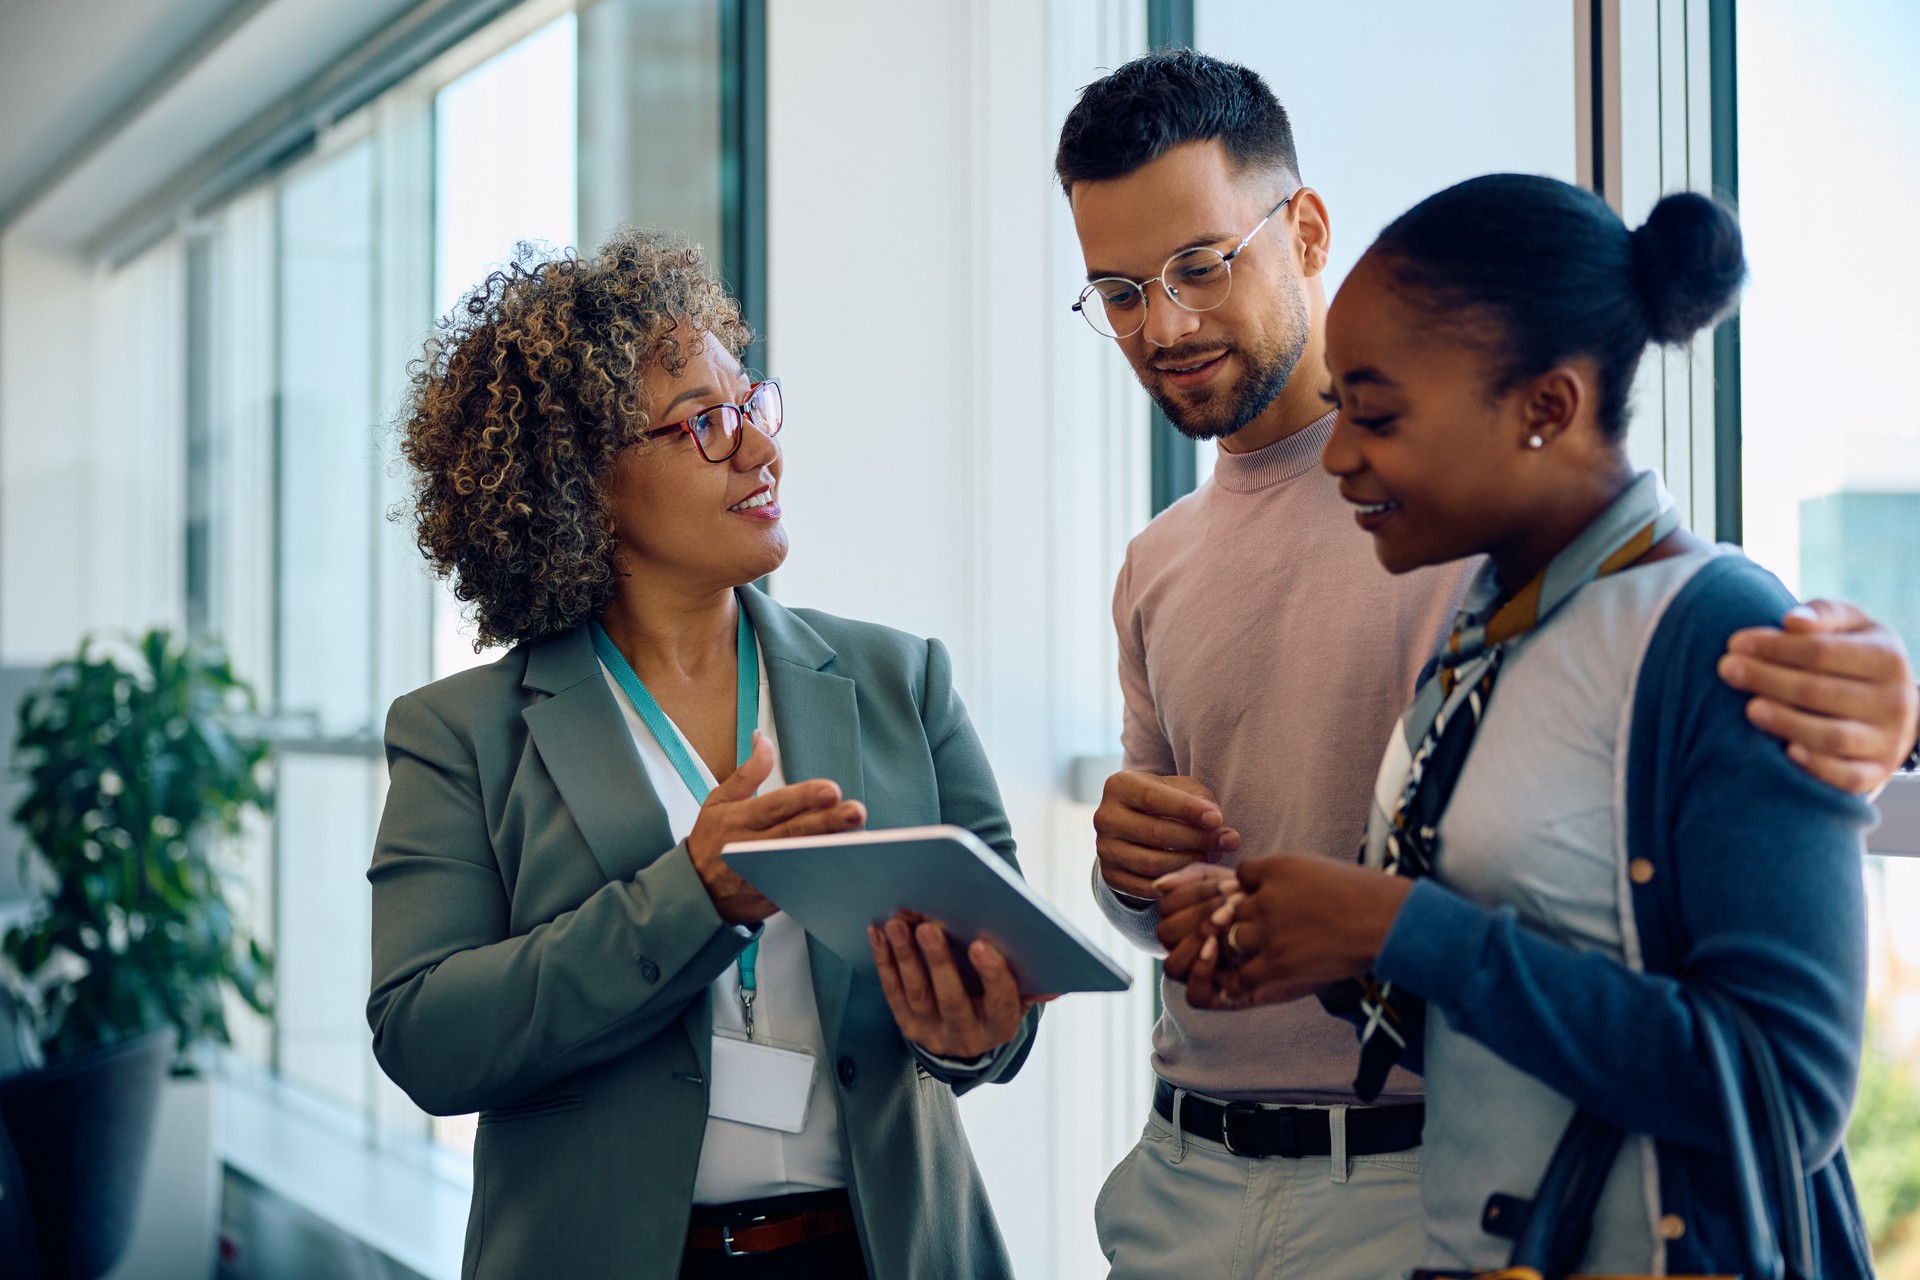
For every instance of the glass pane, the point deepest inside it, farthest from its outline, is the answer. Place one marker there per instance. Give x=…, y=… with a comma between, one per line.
x=327, y=466
x=504, y=143
x=1830, y=448
x=1460, y=89
x=1831, y=459
x=326, y=815
x=504, y=173
x=643, y=62
x=1493, y=80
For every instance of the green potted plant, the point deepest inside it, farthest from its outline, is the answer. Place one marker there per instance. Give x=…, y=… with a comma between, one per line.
x=142, y=763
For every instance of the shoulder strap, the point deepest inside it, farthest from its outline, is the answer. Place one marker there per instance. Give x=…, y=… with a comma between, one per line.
x=1555, y=1227
x=1788, y=1249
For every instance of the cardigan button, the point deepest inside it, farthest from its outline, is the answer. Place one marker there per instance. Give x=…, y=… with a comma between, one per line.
x=650, y=971
x=848, y=1073
x=1640, y=871
x=1672, y=1227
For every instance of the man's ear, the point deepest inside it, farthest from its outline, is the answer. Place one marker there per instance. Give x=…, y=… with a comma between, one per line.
x=1306, y=214
x=1552, y=403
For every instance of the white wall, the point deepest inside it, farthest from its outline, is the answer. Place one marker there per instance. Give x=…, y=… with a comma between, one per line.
x=46, y=476
x=92, y=452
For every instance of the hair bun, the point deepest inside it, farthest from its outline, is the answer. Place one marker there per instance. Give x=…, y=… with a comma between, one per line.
x=1688, y=265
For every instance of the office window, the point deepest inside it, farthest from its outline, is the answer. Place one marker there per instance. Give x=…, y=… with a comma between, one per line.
x=1460, y=90
x=306, y=297
x=327, y=516
x=505, y=177
x=1829, y=173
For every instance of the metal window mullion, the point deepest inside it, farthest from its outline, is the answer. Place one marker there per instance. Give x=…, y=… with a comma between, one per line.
x=743, y=169
x=376, y=195
x=1173, y=466
x=200, y=590
x=1723, y=108
x=1677, y=447
x=1700, y=352
x=276, y=631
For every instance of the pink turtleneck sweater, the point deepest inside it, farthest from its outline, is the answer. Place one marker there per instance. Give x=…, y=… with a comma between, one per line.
x=1264, y=651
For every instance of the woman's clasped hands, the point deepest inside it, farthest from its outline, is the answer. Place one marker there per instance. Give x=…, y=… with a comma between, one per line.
x=1273, y=929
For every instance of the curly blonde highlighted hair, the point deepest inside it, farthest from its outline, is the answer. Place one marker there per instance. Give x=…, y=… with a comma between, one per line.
x=522, y=400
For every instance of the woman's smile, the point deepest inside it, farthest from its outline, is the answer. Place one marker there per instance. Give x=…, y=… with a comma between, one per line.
x=761, y=504
x=1370, y=515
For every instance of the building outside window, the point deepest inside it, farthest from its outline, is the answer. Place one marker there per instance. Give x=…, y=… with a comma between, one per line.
x=1829, y=171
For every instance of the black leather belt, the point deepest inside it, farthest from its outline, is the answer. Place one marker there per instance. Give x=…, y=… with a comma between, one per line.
x=1260, y=1129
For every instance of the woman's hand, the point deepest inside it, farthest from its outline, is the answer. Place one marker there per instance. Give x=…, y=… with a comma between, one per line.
x=1189, y=897
x=930, y=1000
x=732, y=812
x=1302, y=922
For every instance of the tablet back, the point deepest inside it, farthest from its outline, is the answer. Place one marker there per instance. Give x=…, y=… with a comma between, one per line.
x=835, y=886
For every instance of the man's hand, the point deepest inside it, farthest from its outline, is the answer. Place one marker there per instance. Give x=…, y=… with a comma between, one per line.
x=1147, y=826
x=929, y=999
x=732, y=812
x=1836, y=686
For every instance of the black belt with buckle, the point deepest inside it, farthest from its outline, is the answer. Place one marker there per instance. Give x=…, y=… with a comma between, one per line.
x=1261, y=1129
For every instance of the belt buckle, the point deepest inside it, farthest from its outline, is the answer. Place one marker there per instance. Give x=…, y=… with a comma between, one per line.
x=726, y=1239
x=1288, y=1143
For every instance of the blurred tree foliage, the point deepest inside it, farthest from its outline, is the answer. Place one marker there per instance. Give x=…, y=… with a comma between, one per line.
x=1883, y=1150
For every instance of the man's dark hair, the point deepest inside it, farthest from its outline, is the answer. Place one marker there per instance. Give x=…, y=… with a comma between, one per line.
x=1133, y=116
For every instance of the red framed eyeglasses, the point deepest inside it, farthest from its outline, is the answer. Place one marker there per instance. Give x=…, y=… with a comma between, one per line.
x=716, y=429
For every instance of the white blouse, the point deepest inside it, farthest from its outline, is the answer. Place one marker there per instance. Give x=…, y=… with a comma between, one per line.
x=740, y=1161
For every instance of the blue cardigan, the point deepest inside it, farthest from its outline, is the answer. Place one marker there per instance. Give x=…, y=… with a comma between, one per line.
x=1756, y=892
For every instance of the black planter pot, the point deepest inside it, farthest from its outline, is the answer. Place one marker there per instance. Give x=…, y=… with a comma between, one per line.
x=81, y=1130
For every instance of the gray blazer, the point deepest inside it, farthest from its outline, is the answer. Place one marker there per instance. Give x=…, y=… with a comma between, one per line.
x=542, y=951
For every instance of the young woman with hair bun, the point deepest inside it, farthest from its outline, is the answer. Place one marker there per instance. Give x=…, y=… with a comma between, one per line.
x=1591, y=847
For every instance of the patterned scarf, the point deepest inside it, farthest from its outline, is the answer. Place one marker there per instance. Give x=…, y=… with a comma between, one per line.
x=1430, y=744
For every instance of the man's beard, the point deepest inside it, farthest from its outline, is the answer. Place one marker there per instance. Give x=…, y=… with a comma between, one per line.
x=1267, y=373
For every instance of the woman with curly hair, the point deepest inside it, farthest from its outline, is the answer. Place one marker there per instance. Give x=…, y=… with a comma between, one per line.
x=557, y=944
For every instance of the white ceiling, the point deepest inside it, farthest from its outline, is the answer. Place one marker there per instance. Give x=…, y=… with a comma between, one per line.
x=102, y=102
x=68, y=66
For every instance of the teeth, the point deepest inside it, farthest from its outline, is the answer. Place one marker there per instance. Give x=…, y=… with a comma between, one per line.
x=1374, y=508
x=760, y=499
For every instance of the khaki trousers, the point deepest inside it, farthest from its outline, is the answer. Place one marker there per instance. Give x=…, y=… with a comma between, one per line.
x=1180, y=1208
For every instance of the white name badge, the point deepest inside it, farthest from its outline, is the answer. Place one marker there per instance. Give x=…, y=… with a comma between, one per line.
x=760, y=1084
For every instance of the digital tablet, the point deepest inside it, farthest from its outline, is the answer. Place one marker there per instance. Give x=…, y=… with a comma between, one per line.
x=835, y=886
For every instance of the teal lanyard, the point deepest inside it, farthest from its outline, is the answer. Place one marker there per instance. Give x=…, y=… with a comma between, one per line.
x=746, y=720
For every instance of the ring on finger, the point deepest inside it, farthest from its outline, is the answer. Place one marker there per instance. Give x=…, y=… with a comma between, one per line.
x=1234, y=949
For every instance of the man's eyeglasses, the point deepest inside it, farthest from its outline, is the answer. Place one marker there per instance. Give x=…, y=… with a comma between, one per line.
x=717, y=429
x=1196, y=279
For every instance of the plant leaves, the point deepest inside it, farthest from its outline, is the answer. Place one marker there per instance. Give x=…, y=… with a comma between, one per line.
x=139, y=761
